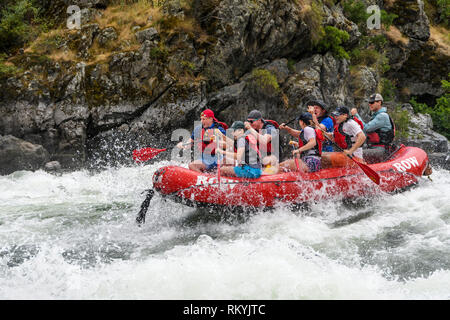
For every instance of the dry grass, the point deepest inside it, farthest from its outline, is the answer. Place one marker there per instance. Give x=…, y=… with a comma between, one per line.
x=62, y=55
x=396, y=36
x=441, y=37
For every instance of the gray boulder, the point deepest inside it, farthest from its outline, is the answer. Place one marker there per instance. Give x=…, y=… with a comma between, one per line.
x=17, y=154
x=149, y=34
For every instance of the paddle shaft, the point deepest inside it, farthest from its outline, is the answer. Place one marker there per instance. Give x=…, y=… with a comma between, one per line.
x=366, y=169
x=296, y=159
x=144, y=207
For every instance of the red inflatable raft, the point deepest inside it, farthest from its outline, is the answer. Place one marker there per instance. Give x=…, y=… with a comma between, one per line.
x=401, y=171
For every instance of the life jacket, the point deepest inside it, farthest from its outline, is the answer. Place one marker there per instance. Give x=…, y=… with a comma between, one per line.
x=269, y=145
x=317, y=148
x=380, y=138
x=207, y=141
x=251, y=143
x=342, y=139
x=327, y=142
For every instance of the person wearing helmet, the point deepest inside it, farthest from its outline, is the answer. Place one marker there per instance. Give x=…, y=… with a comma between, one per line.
x=307, y=146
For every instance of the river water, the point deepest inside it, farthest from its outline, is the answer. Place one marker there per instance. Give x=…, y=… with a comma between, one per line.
x=74, y=236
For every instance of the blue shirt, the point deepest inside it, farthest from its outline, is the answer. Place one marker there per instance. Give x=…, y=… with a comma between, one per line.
x=379, y=120
x=196, y=136
x=196, y=133
x=327, y=146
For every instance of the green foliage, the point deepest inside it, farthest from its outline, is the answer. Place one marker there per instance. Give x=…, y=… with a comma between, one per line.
x=387, y=89
x=440, y=113
x=16, y=24
x=159, y=53
x=265, y=81
x=402, y=122
x=291, y=63
x=379, y=41
x=444, y=9
x=333, y=40
x=6, y=70
x=387, y=19
x=314, y=18
x=355, y=11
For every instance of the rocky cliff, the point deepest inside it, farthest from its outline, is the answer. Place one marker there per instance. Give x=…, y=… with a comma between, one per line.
x=137, y=70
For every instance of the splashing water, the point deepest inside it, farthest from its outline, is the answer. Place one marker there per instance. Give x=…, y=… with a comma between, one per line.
x=74, y=236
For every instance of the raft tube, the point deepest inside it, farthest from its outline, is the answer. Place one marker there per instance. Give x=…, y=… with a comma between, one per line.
x=400, y=172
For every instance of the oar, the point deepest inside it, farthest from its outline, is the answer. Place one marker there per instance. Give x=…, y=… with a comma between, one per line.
x=367, y=170
x=295, y=157
x=144, y=207
x=289, y=121
x=145, y=154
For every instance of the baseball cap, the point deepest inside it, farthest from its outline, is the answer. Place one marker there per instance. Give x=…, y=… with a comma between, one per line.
x=319, y=103
x=340, y=110
x=255, y=115
x=375, y=97
x=237, y=125
x=305, y=117
x=208, y=113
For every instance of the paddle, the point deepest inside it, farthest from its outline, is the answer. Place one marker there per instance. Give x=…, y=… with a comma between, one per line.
x=144, y=207
x=367, y=170
x=145, y=154
x=289, y=121
x=295, y=156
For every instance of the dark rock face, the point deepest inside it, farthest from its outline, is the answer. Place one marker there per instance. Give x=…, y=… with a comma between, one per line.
x=257, y=55
x=411, y=19
x=17, y=154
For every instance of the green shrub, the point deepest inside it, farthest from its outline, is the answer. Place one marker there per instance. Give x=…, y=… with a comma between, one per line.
x=387, y=19
x=444, y=9
x=314, y=18
x=402, y=122
x=387, y=89
x=265, y=82
x=159, y=53
x=355, y=11
x=16, y=24
x=440, y=113
x=6, y=70
x=332, y=41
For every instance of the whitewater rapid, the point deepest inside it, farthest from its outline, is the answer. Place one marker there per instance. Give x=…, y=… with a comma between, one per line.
x=74, y=236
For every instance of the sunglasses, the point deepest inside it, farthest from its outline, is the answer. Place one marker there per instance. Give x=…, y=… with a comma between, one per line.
x=252, y=120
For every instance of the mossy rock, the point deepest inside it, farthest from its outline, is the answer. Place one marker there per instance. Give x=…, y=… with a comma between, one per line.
x=406, y=10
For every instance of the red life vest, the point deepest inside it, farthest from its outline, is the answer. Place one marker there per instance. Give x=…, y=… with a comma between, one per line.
x=208, y=143
x=381, y=138
x=250, y=143
x=317, y=148
x=342, y=139
x=269, y=145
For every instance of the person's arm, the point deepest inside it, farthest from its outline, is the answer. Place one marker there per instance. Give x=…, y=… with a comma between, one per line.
x=360, y=138
x=239, y=154
x=230, y=154
x=263, y=139
x=328, y=135
x=354, y=112
x=311, y=144
x=291, y=131
x=186, y=145
x=381, y=120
